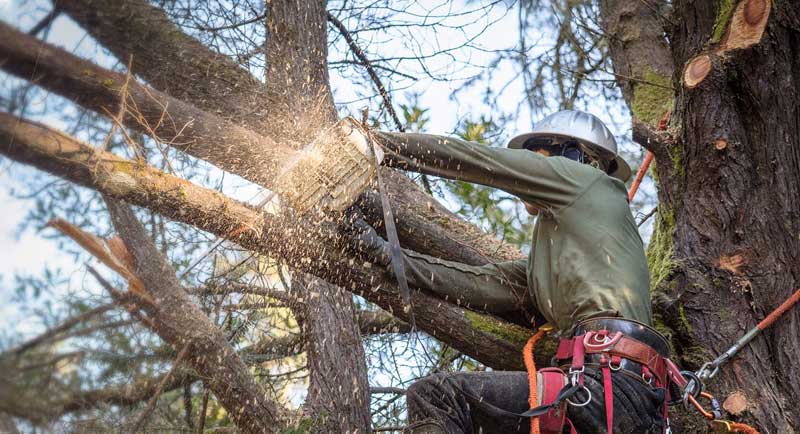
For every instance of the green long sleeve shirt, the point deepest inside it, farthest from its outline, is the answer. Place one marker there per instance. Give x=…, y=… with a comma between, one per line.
x=586, y=259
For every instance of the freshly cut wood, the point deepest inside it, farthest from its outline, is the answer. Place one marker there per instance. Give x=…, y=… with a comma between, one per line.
x=747, y=24
x=736, y=403
x=696, y=71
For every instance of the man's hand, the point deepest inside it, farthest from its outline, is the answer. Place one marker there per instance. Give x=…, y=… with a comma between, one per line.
x=370, y=244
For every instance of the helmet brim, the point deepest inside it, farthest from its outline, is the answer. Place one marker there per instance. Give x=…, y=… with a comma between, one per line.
x=623, y=171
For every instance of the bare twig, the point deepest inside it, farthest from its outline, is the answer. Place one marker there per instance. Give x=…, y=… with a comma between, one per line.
x=121, y=298
x=647, y=216
x=151, y=405
x=370, y=69
x=201, y=418
x=118, y=119
x=391, y=390
x=45, y=22
x=61, y=328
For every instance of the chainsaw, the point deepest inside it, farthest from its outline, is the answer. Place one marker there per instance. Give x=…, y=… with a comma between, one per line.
x=328, y=175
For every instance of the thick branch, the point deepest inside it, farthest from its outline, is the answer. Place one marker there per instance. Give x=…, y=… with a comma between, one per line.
x=151, y=112
x=171, y=60
x=182, y=324
x=317, y=250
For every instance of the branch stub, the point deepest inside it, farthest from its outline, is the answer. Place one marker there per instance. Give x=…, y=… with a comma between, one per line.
x=696, y=71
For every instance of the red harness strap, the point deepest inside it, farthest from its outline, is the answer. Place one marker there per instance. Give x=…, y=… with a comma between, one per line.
x=553, y=381
x=605, y=366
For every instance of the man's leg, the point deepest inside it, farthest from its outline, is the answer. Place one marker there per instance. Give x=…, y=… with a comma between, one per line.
x=480, y=403
x=638, y=408
x=469, y=402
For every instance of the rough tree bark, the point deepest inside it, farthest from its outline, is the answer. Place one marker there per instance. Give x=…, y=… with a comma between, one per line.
x=181, y=323
x=725, y=250
x=301, y=106
x=170, y=60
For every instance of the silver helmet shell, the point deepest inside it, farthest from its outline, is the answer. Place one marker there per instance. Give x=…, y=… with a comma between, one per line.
x=581, y=126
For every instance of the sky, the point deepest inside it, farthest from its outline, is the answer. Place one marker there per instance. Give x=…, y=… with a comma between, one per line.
x=31, y=252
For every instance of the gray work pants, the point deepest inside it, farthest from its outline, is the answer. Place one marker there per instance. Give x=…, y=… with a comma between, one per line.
x=485, y=403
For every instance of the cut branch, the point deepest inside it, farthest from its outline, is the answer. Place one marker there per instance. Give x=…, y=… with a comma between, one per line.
x=696, y=71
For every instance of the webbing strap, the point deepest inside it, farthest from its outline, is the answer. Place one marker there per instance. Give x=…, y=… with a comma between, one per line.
x=566, y=392
x=607, y=391
x=398, y=265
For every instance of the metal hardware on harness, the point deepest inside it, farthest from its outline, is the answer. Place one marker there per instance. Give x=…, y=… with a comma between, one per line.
x=575, y=380
x=581, y=404
x=591, y=343
x=575, y=374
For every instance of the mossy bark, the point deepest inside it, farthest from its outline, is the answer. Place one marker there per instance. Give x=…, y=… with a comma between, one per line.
x=727, y=183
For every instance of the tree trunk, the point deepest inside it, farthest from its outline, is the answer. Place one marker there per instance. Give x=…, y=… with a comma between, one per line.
x=727, y=245
x=302, y=106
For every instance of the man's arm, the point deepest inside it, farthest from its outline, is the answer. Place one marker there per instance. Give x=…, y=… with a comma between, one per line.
x=496, y=288
x=546, y=182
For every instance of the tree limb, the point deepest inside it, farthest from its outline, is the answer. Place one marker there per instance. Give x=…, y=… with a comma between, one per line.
x=170, y=120
x=317, y=251
x=170, y=60
x=182, y=324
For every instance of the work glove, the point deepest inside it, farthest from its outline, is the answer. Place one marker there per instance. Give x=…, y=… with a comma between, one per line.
x=369, y=244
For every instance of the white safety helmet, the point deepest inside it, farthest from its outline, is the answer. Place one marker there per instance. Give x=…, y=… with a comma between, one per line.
x=584, y=127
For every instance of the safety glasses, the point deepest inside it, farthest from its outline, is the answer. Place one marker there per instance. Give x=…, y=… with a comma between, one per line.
x=570, y=149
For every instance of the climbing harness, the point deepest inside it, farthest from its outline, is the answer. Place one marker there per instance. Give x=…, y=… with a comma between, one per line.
x=610, y=344
x=615, y=344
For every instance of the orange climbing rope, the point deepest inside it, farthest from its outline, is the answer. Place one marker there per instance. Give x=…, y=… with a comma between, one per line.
x=662, y=125
x=737, y=427
x=530, y=366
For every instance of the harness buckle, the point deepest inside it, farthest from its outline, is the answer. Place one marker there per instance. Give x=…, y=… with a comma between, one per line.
x=600, y=342
x=575, y=374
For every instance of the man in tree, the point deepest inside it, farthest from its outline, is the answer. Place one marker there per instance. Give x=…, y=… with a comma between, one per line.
x=586, y=271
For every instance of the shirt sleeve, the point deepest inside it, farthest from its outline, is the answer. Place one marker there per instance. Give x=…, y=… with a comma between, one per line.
x=495, y=288
x=551, y=182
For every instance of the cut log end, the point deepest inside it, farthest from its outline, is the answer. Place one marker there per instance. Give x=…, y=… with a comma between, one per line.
x=736, y=403
x=696, y=71
x=747, y=24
